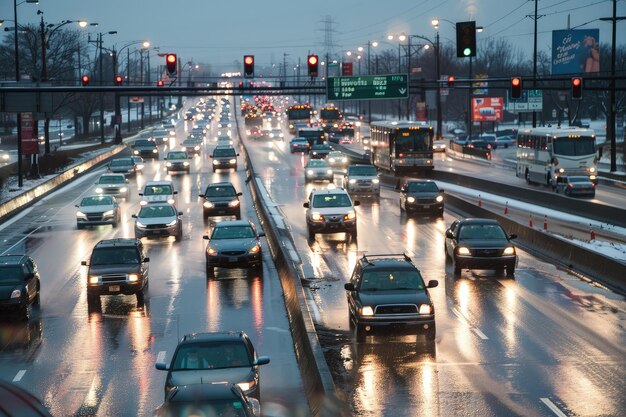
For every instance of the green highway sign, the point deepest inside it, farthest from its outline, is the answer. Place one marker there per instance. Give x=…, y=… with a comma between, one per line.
x=368, y=87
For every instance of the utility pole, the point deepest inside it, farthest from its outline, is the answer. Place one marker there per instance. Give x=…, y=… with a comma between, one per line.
x=141, y=80
x=535, y=17
x=20, y=181
x=438, y=73
x=101, y=96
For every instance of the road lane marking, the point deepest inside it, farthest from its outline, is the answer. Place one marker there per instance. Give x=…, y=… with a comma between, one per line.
x=479, y=333
x=19, y=375
x=553, y=407
x=161, y=356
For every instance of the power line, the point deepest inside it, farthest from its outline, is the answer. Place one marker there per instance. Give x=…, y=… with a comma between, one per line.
x=508, y=14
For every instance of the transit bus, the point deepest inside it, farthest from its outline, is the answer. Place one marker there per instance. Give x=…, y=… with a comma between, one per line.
x=298, y=113
x=314, y=135
x=330, y=118
x=545, y=153
x=402, y=146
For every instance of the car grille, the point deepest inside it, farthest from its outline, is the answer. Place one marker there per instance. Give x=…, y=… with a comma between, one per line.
x=334, y=218
x=364, y=182
x=487, y=253
x=396, y=309
x=94, y=216
x=233, y=252
x=156, y=226
x=221, y=204
x=113, y=277
x=425, y=200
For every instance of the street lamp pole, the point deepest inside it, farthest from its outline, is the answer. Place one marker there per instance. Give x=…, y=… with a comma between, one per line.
x=438, y=83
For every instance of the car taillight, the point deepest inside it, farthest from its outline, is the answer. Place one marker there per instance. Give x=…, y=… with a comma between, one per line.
x=570, y=186
x=401, y=155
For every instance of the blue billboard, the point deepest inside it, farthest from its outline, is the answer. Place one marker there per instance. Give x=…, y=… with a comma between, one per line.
x=575, y=51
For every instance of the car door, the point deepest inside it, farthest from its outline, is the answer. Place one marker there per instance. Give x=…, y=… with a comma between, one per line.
x=30, y=281
x=451, y=241
x=352, y=295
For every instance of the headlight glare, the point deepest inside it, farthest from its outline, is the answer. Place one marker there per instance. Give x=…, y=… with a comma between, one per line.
x=367, y=311
x=510, y=250
x=425, y=309
x=439, y=198
x=133, y=277
x=255, y=249
x=461, y=250
x=16, y=294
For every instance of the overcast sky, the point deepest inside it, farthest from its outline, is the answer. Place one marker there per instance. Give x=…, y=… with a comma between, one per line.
x=221, y=31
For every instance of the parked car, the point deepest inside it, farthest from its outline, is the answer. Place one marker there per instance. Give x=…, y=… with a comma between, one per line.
x=388, y=292
x=214, y=399
x=476, y=243
x=158, y=220
x=19, y=284
x=234, y=244
x=221, y=199
x=575, y=186
x=97, y=210
x=421, y=196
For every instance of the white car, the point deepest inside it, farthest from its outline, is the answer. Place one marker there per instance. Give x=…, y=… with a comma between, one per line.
x=158, y=192
x=362, y=179
x=331, y=211
x=97, y=209
x=115, y=184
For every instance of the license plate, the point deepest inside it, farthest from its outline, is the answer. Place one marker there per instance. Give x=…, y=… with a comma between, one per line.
x=426, y=206
x=114, y=288
x=232, y=259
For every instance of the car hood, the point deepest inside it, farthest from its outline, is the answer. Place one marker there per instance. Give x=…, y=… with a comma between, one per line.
x=329, y=211
x=156, y=220
x=157, y=198
x=484, y=243
x=422, y=195
x=318, y=169
x=111, y=184
x=373, y=298
x=207, y=376
x=114, y=269
x=95, y=209
x=232, y=244
x=7, y=289
x=220, y=199
x=362, y=177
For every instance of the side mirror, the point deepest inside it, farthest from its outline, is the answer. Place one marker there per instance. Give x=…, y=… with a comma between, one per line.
x=205, y=237
x=83, y=263
x=513, y=236
x=146, y=259
x=261, y=234
x=237, y=155
x=305, y=205
x=210, y=156
x=134, y=216
x=433, y=283
x=201, y=195
x=449, y=234
x=349, y=286
x=141, y=194
x=175, y=192
x=165, y=159
x=357, y=203
x=441, y=190
x=239, y=194
x=76, y=205
x=180, y=213
x=161, y=366
x=262, y=360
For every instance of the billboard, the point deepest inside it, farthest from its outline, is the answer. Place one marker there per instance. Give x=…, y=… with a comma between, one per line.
x=487, y=109
x=30, y=145
x=575, y=51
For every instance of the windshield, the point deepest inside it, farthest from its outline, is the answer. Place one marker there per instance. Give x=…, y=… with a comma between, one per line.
x=232, y=232
x=365, y=170
x=390, y=280
x=211, y=355
x=330, y=114
x=157, y=190
x=148, y=212
x=331, y=200
x=412, y=140
x=574, y=146
x=226, y=191
x=481, y=231
x=317, y=163
x=298, y=113
x=112, y=179
x=10, y=274
x=223, y=152
x=159, y=133
x=104, y=200
x=177, y=155
x=121, y=162
x=422, y=187
x=110, y=256
x=144, y=143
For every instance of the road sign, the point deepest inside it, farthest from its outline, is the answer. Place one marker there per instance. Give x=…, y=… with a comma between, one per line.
x=532, y=100
x=368, y=87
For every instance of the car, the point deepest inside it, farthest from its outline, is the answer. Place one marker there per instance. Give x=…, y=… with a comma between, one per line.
x=439, y=145
x=217, y=357
x=421, y=196
x=575, y=185
x=158, y=220
x=223, y=124
x=145, y=148
x=170, y=128
x=221, y=199
x=265, y=133
x=161, y=136
x=116, y=184
x=4, y=157
x=362, y=179
x=192, y=146
x=330, y=211
x=139, y=163
x=126, y=166
x=506, y=141
x=188, y=116
x=254, y=133
x=19, y=284
x=337, y=159
x=276, y=134
x=198, y=132
x=224, y=157
x=478, y=144
x=96, y=210
x=388, y=292
x=490, y=139
x=319, y=150
x=224, y=141
x=215, y=399
x=318, y=170
x=158, y=192
x=476, y=243
x=298, y=144
x=346, y=140
x=18, y=402
x=234, y=244
x=177, y=161
x=117, y=266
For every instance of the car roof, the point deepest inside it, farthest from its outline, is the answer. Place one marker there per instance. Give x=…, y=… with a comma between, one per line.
x=216, y=336
x=112, y=174
x=151, y=183
x=226, y=223
x=12, y=259
x=420, y=181
x=118, y=242
x=396, y=261
x=476, y=220
x=337, y=190
x=221, y=184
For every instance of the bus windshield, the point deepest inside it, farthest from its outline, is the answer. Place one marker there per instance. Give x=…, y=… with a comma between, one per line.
x=574, y=146
x=412, y=141
x=329, y=114
x=294, y=114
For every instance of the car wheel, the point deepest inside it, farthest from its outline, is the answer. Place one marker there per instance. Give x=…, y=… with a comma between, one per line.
x=210, y=271
x=25, y=312
x=214, y=170
x=457, y=268
x=37, y=300
x=440, y=213
x=510, y=270
x=446, y=254
x=527, y=175
x=140, y=298
x=92, y=299
x=179, y=235
x=431, y=333
x=353, y=236
x=350, y=319
x=360, y=333
x=311, y=233
x=114, y=223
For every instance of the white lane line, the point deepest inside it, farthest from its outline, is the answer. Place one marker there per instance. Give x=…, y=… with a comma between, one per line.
x=459, y=315
x=553, y=407
x=21, y=240
x=161, y=356
x=480, y=334
x=19, y=375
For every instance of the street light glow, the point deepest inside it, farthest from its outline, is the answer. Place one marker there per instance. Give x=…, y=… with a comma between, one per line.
x=402, y=37
x=360, y=49
x=390, y=37
x=427, y=46
x=145, y=44
x=435, y=23
x=83, y=23
x=349, y=53
x=374, y=44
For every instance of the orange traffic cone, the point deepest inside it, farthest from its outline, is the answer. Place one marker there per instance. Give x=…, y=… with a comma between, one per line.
x=506, y=208
x=530, y=222
x=592, y=234
x=480, y=201
x=545, y=222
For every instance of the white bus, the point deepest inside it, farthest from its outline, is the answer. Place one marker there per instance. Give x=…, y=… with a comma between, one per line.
x=545, y=153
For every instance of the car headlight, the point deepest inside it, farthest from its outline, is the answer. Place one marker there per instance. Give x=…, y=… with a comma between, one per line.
x=94, y=279
x=310, y=172
x=108, y=213
x=155, y=151
x=439, y=198
x=186, y=164
x=352, y=181
x=216, y=162
x=331, y=160
x=123, y=189
x=592, y=169
x=143, y=202
x=461, y=250
x=344, y=160
x=367, y=311
x=509, y=250
x=16, y=294
x=375, y=181
x=351, y=215
x=208, y=204
x=255, y=249
x=271, y=135
x=168, y=164
x=425, y=309
x=133, y=277
x=561, y=170
x=329, y=171
x=234, y=203
x=99, y=190
x=211, y=251
x=80, y=214
x=247, y=386
x=136, y=152
x=140, y=224
x=232, y=161
x=410, y=199
x=172, y=223
x=317, y=217
x=197, y=148
x=170, y=201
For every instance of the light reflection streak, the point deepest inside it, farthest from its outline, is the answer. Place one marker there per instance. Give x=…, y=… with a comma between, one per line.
x=370, y=390
x=256, y=289
x=213, y=310
x=140, y=344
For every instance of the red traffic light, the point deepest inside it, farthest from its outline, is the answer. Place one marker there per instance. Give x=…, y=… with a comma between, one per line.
x=118, y=80
x=577, y=88
x=248, y=60
x=313, y=62
x=160, y=83
x=451, y=81
x=171, y=64
x=516, y=88
x=312, y=59
x=516, y=81
x=248, y=66
x=85, y=80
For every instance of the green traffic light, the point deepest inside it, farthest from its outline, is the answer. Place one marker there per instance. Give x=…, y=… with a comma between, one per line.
x=467, y=51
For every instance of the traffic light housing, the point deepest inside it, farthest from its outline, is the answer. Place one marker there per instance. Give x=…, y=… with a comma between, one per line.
x=516, y=88
x=160, y=83
x=85, y=80
x=119, y=80
x=451, y=81
x=577, y=88
x=171, y=62
x=313, y=63
x=465, y=39
x=248, y=66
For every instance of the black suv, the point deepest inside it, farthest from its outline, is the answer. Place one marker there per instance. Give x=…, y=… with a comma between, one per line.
x=19, y=284
x=117, y=266
x=145, y=148
x=421, y=196
x=388, y=292
x=221, y=199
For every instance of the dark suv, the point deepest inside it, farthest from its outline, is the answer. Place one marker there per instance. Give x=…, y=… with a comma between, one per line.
x=421, y=196
x=117, y=266
x=221, y=199
x=388, y=292
x=19, y=284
